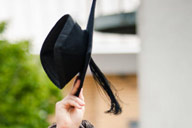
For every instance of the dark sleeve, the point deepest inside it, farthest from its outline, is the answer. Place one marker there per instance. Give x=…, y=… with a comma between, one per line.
x=52, y=126
x=84, y=124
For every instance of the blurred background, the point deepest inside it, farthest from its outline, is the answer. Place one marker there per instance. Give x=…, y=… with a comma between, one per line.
x=143, y=47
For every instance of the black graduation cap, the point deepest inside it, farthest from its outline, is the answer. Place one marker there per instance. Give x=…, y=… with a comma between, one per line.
x=67, y=51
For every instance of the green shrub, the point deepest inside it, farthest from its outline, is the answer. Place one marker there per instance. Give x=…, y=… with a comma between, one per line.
x=27, y=96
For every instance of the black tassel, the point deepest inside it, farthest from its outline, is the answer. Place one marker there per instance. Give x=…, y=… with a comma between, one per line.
x=105, y=85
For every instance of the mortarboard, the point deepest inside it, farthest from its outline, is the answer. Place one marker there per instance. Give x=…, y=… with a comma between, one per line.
x=66, y=52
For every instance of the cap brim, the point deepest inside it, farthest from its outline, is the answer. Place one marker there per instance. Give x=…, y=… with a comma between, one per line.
x=89, y=29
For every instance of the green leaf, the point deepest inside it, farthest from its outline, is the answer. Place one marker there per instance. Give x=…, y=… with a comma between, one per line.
x=2, y=26
x=27, y=97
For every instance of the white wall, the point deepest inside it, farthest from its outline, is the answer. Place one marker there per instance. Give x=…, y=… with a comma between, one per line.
x=121, y=64
x=165, y=72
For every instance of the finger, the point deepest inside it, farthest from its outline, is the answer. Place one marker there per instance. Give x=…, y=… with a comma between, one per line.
x=75, y=87
x=76, y=78
x=77, y=99
x=71, y=103
x=81, y=95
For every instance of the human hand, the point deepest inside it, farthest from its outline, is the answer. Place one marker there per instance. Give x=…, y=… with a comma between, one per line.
x=70, y=110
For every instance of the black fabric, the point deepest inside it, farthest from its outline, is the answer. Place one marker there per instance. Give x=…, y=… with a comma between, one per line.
x=84, y=124
x=67, y=51
x=70, y=56
x=89, y=30
x=47, y=50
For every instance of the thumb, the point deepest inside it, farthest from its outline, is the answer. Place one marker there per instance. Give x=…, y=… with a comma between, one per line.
x=75, y=87
x=81, y=94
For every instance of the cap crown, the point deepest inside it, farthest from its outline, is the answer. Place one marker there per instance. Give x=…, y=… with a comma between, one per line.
x=69, y=52
x=63, y=52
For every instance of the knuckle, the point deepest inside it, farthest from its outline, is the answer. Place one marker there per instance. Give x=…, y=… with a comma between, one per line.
x=58, y=104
